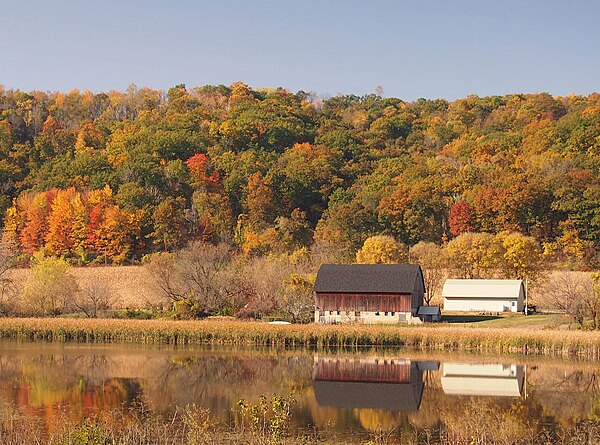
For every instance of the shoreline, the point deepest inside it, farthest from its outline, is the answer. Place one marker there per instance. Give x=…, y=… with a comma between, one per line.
x=585, y=344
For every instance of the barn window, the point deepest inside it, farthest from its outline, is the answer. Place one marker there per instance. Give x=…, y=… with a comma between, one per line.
x=377, y=313
x=393, y=314
x=357, y=313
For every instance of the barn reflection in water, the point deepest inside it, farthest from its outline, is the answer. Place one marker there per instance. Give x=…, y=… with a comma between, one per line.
x=369, y=382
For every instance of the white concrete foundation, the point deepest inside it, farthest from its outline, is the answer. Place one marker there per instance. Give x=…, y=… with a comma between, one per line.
x=365, y=317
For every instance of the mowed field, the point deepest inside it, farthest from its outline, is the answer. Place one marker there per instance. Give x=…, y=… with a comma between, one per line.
x=535, y=321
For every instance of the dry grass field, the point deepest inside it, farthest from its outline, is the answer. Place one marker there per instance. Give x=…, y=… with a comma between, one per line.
x=130, y=287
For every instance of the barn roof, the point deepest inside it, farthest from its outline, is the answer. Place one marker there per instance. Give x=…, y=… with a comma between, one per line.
x=404, y=397
x=368, y=278
x=482, y=288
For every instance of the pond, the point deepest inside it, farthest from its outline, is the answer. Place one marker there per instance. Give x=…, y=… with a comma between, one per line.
x=339, y=393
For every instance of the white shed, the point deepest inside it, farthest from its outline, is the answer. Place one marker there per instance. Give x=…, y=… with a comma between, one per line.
x=483, y=295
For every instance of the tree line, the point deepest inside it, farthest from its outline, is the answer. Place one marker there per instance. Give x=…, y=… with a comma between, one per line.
x=111, y=177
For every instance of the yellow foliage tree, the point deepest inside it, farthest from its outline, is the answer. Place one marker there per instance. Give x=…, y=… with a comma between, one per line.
x=473, y=255
x=60, y=223
x=382, y=249
x=522, y=255
x=50, y=288
x=509, y=255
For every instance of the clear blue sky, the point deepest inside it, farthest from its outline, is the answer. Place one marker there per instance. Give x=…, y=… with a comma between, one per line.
x=446, y=48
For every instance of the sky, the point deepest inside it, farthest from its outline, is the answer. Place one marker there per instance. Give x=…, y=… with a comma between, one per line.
x=432, y=49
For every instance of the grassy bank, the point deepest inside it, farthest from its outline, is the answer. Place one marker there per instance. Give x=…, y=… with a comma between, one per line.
x=440, y=337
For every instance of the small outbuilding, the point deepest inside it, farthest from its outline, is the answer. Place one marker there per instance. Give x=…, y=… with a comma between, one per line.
x=429, y=313
x=368, y=293
x=483, y=295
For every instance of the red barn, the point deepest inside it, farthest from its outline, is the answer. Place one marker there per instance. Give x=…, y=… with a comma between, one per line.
x=368, y=293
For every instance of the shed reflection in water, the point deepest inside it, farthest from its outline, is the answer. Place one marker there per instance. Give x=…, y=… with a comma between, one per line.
x=483, y=379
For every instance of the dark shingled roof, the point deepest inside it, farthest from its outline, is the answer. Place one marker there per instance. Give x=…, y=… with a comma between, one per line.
x=404, y=397
x=368, y=278
x=429, y=310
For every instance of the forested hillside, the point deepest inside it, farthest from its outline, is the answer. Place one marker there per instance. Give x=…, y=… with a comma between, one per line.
x=109, y=177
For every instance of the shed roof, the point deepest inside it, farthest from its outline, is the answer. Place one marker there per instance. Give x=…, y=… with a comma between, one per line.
x=428, y=310
x=482, y=288
x=368, y=278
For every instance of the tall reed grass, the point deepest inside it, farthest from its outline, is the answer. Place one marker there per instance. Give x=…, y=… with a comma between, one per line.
x=193, y=425
x=440, y=337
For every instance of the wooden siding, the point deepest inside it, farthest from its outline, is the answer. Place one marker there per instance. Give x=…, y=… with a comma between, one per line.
x=348, y=370
x=366, y=302
x=417, y=298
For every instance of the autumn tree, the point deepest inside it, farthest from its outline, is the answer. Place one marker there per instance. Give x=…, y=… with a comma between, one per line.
x=200, y=169
x=8, y=260
x=297, y=302
x=414, y=213
x=294, y=232
x=382, y=249
x=50, y=288
x=259, y=205
x=117, y=234
x=521, y=256
x=61, y=221
x=357, y=166
x=36, y=225
x=431, y=258
x=461, y=219
x=215, y=219
x=504, y=255
x=169, y=223
x=473, y=255
x=89, y=138
x=197, y=279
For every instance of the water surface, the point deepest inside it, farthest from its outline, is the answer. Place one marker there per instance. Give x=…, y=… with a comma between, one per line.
x=344, y=393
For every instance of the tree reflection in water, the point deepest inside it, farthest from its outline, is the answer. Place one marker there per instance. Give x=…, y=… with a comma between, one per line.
x=342, y=394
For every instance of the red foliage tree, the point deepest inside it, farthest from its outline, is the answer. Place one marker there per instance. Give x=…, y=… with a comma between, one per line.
x=199, y=166
x=461, y=218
